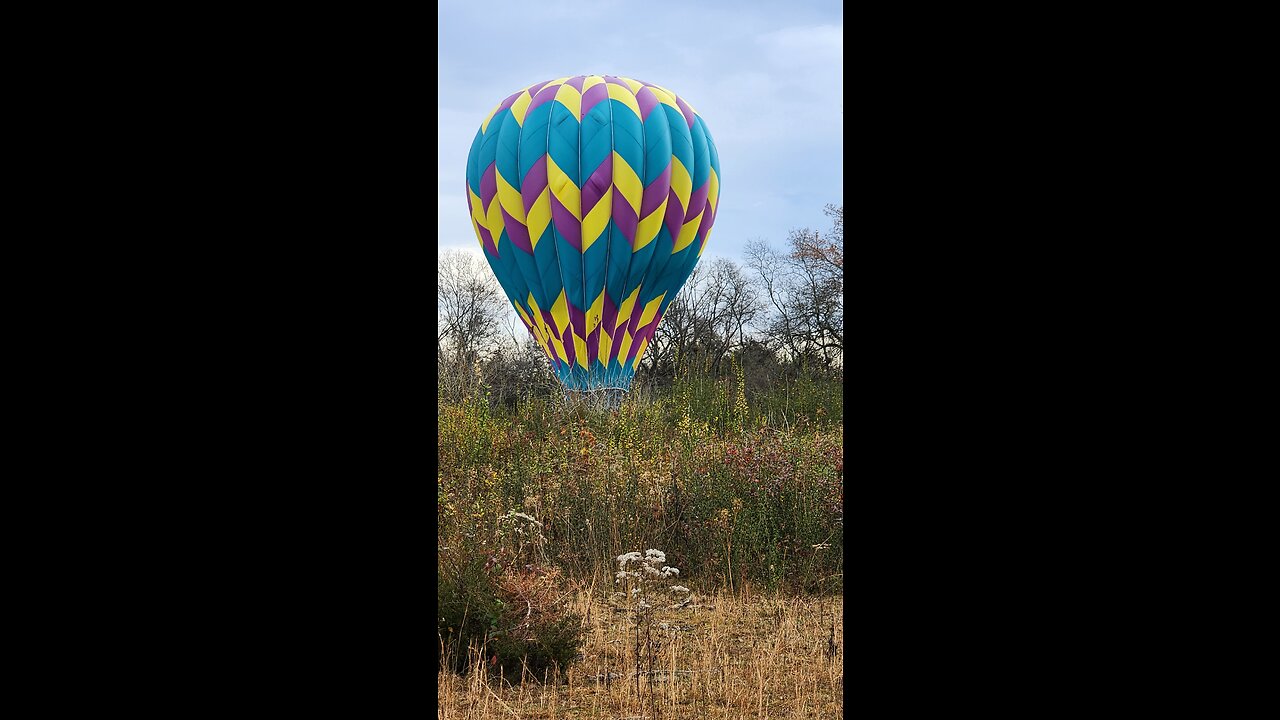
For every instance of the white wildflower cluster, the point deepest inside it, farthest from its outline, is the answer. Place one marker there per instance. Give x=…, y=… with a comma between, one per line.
x=622, y=564
x=516, y=518
x=651, y=566
x=645, y=590
x=639, y=573
x=525, y=533
x=522, y=524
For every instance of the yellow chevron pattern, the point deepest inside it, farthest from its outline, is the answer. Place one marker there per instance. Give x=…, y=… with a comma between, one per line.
x=550, y=275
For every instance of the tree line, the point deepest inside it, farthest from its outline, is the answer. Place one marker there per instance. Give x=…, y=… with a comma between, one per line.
x=775, y=317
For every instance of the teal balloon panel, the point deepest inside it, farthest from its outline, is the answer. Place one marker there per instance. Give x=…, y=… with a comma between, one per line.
x=592, y=198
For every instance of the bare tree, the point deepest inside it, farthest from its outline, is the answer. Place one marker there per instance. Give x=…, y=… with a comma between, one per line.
x=824, y=252
x=470, y=310
x=674, y=336
x=519, y=370
x=776, y=282
x=781, y=312
x=732, y=304
x=708, y=320
x=804, y=290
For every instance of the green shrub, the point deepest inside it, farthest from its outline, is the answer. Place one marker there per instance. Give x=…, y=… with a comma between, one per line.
x=468, y=611
x=497, y=607
x=739, y=484
x=541, y=648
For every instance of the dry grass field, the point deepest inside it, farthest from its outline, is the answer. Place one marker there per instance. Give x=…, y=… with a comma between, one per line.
x=540, y=509
x=723, y=656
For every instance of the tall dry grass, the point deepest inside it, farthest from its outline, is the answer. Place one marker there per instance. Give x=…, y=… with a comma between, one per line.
x=729, y=500
x=742, y=491
x=745, y=655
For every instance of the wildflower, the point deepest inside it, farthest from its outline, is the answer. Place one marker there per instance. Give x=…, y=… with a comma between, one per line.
x=513, y=515
x=679, y=589
x=624, y=559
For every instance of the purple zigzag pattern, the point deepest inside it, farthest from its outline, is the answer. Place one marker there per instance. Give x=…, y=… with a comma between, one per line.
x=535, y=181
x=624, y=218
x=608, y=319
x=567, y=226
x=674, y=218
x=551, y=327
x=647, y=102
x=656, y=196
x=698, y=201
x=704, y=228
x=592, y=97
x=597, y=184
x=644, y=333
x=656, y=192
x=542, y=96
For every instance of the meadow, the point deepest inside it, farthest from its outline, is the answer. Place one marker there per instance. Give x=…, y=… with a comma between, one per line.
x=742, y=491
x=735, y=656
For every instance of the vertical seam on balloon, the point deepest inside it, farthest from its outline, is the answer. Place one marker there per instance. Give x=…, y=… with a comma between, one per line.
x=713, y=160
x=626, y=276
x=631, y=261
x=512, y=295
x=582, y=256
x=555, y=246
x=552, y=357
x=668, y=290
x=651, y=271
x=608, y=246
x=657, y=262
x=644, y=163
x=693, y=172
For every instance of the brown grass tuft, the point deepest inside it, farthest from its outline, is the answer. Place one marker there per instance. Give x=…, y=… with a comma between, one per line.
x=722, y=657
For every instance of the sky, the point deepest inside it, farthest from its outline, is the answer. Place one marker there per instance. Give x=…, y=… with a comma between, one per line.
x=766, y=77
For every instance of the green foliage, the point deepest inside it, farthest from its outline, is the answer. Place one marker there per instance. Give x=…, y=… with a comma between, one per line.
x=549, y=647
x=736, y=484
x=468, y=609
x=500, y=611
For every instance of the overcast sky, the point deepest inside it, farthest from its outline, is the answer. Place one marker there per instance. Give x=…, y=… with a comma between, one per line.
x=766, y=77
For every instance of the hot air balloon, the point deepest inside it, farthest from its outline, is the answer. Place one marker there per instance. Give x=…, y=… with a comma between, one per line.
x=592, y=198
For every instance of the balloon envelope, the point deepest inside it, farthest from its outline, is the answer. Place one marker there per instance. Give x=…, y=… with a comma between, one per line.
x=592, y=198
